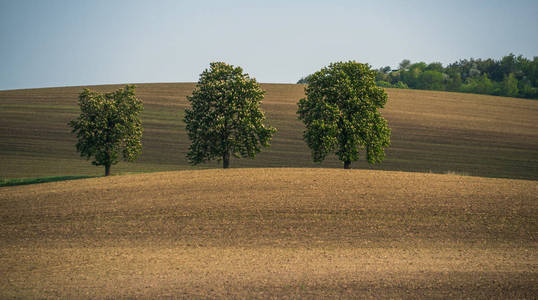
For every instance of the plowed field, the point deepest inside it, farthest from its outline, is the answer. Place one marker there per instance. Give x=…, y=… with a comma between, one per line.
x=435, y=132
x=261, y=233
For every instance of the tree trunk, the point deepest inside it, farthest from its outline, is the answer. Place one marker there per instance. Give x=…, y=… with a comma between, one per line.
x=347, y=164
x=107, y=170
x=226, y=160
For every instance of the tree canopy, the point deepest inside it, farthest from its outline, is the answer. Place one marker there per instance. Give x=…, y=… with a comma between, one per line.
x=225, y=117
x=109, y=127
x=341, y=113
x=512, y=76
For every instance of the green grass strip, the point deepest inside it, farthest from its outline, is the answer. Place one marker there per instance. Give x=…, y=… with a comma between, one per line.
x=25, y=181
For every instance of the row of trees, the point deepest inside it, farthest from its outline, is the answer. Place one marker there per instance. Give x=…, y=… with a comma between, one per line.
x=340, y=113
x=512, y=76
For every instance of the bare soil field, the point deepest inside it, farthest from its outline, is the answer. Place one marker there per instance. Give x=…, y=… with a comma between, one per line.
x=263, y=233
x=431, y=132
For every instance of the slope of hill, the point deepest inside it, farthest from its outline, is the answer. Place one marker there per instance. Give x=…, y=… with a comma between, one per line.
x=262, y=233
x=431, y=132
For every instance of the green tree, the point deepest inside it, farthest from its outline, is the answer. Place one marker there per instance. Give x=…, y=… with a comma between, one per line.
x=303, y=80
x=509, y=86
x=454, y=82
x=435, y=66
x=386, y=69
x=411, y=76
x=404, y=65
x=400, y=85
x=108, y=127
x=341, y=113
x=528, y=91
x=225, y=116
x=431, y=80
x=480, y=85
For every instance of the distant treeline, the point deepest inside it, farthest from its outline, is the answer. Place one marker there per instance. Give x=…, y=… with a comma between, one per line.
x=512, y=76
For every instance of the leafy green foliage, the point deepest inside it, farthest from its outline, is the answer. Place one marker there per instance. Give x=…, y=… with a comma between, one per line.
x=509, y=86
x=512, y=76
x=109, y=127
x=225, y=116
x=341, y=113
x=480, y=85
x=303, y=80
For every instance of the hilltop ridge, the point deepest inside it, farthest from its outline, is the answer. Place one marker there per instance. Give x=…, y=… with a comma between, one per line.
x=432, y=131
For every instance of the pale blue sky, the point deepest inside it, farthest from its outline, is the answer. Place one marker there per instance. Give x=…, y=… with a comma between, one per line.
x=64, y=43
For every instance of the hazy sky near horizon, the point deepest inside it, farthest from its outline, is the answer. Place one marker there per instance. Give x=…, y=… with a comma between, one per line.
x=66, y=43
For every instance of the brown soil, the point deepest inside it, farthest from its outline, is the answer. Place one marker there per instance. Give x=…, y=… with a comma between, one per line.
x=262, y=233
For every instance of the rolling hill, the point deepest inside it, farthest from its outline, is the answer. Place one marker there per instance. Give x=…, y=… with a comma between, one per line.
x=431, y=132
x=266, y=233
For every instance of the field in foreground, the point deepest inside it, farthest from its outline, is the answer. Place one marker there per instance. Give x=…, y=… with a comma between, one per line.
x=271, y=232
x=431, y=131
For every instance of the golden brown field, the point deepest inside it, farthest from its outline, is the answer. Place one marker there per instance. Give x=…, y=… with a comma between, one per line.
x=431, y=132
x=262, y=233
